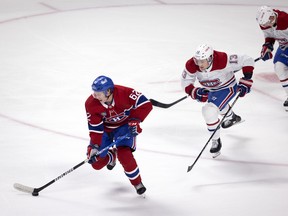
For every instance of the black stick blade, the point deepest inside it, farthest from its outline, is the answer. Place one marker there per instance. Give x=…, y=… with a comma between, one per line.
x=159, y=104
x=190, y=168
x=164, y=105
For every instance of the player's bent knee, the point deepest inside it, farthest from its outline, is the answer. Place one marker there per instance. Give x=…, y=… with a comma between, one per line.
x=99, y=164
x=281, y=70
x=210, y=112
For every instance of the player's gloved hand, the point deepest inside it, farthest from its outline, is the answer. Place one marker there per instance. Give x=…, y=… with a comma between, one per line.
x=134, y=127
x=199, y=94
x=244, y=86
x=92, y=153
x=266, y=52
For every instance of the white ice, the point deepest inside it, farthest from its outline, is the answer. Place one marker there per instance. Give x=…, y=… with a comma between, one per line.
x=52, y=50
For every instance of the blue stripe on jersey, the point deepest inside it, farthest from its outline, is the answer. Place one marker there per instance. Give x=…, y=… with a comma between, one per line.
x=96, y=128
x=141, y=100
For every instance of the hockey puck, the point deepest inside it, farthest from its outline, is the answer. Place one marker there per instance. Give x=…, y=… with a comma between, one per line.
x=35, y=193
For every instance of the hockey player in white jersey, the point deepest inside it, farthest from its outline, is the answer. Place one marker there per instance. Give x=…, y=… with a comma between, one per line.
x=214, y=71
x=274, y=24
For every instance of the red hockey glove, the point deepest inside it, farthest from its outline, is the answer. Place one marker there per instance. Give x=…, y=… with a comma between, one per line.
x=244, y=86
x=134, y=127
x=92, y=153
x=266, y=52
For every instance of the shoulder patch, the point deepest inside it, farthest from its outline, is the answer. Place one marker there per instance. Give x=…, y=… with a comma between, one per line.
x=219, y=60
x=191, y=67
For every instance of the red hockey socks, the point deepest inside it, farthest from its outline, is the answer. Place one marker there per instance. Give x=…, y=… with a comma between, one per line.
x=129, y=164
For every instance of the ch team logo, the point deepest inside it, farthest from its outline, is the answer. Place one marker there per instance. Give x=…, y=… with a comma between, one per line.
x=210, y=83
x=116, y=118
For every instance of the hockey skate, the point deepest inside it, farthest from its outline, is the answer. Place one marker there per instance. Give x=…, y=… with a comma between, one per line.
x=216, y=147
x=232, y=121
x=140, y=189
x=112, y=153
x=286, y=105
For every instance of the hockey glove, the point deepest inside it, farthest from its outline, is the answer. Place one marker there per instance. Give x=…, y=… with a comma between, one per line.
x=134, y=127
x=92, y=153
x=200, y=94
x=266, y=52
x=244, y=86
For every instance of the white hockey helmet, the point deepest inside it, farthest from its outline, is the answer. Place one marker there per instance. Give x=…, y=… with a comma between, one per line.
x=204, y=51
x=263, y=15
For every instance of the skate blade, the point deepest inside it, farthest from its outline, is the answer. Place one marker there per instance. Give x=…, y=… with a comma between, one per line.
x=216, y=154
x=242, y=120
x=143, y=196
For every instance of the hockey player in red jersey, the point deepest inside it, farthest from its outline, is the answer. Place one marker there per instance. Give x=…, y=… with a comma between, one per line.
x=215, y=72
x=274, y=24
x=113, y=111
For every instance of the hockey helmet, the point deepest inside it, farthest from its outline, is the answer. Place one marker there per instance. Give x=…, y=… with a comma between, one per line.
x=204, y=51
x=263, y=15
x=103, y=84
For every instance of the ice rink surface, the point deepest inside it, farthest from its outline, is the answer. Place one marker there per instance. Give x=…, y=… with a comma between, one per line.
x=52, y=50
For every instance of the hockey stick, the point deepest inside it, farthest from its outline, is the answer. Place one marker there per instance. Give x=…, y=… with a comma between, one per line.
x=191, y=166
x=35, y=191
x=163, y=105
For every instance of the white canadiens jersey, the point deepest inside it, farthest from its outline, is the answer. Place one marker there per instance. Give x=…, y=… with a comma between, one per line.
x=220, y=74
x=278, y=32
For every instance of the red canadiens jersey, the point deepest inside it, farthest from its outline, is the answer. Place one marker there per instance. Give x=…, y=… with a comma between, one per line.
x=127, y=104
